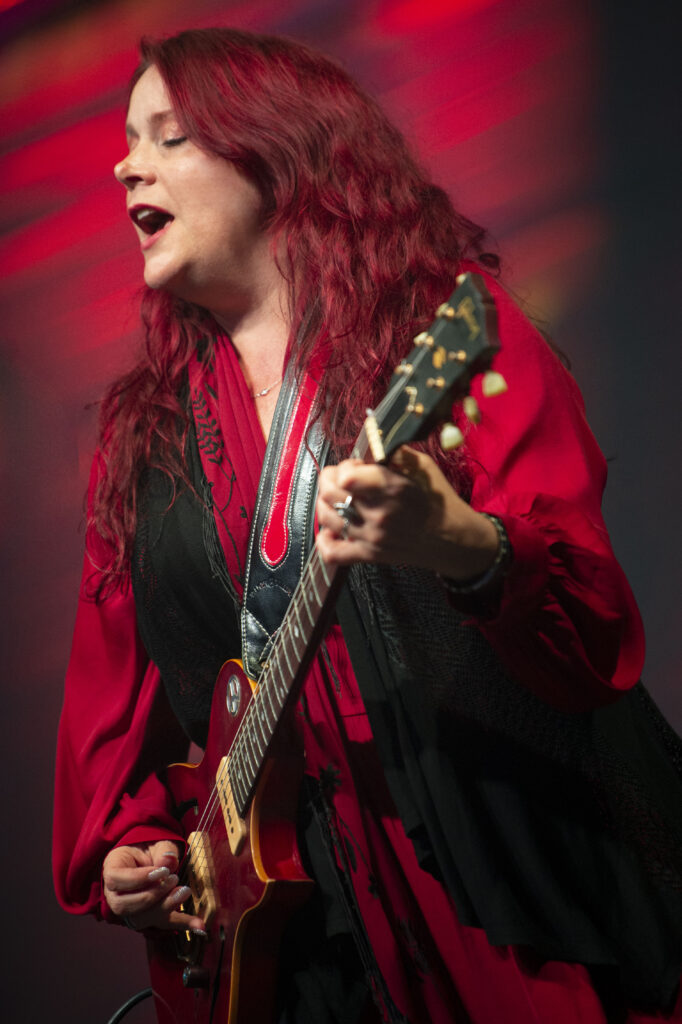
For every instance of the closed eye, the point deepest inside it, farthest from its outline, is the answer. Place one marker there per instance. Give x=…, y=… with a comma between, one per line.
x=175, y=142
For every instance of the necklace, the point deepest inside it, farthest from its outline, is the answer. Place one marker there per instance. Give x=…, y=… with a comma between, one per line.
x=261, y=394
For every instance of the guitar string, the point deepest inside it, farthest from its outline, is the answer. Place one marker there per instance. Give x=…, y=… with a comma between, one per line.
x=268, y=682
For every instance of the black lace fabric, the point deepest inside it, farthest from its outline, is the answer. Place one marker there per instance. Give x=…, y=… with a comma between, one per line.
x=572, y=821
x=187, y=607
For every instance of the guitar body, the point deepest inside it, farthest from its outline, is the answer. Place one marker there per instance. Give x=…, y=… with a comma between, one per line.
x=244, y=887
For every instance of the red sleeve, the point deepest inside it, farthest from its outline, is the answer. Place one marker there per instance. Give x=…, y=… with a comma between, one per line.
x=567, y=626
x=116, y=732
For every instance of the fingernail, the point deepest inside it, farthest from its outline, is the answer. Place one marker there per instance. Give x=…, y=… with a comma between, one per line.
x=200, y=932
x=181, y=895
x=158, y=873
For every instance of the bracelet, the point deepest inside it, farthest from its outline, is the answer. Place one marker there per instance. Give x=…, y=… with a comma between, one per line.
x=499, y=566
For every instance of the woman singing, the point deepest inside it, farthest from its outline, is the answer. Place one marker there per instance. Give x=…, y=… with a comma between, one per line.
x=491, y=805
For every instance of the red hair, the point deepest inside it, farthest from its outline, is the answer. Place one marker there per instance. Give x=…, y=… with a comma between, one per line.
x=373, y=247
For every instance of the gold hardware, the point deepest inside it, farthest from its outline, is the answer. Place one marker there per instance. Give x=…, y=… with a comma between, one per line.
x=446, y=310
x=439, y=357
x=459, y=356
x=424, y=338
x=435, y=382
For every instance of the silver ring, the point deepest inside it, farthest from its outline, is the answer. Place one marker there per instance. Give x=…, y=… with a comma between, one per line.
x=349, y=514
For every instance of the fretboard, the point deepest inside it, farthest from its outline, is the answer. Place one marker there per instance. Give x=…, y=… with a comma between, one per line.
x=284, y=673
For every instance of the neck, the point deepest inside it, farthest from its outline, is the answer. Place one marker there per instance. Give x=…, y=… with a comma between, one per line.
x=259, y=332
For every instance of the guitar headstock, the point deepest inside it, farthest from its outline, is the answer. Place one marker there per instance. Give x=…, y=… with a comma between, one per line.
x=460, y=343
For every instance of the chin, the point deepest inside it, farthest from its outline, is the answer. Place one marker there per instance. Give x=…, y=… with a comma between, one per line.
x=161, y=278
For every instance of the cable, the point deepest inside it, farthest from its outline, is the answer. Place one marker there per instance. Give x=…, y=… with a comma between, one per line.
x=133, y=1001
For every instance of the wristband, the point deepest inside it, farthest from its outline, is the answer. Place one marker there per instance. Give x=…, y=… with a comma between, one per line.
x=498, y=567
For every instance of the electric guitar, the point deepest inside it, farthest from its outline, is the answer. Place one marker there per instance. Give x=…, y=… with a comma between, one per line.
x=238, y=806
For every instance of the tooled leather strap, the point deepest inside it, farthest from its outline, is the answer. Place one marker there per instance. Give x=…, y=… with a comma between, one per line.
x=282, y=528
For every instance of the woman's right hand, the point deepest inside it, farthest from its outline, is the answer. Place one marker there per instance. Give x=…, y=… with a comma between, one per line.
x=141, y=885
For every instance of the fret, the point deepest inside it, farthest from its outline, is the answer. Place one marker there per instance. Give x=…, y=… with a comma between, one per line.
x=267, y=688
x=236, y=783
x=325, y=576
x=298, y=620
x=240, y=779
x=282, y=689
x=240, y=791
x=257, y=728
x=277, y=669
x=265, y=721
x=312, y=581
x=303, y=595
x=295, y=634
x=253, y=765
x=284, y=647
x=318, y=570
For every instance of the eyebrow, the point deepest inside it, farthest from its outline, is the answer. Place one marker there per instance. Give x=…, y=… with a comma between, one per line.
x=154, y=119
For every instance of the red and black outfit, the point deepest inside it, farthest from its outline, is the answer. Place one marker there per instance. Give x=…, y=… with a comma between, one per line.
x=502, y=798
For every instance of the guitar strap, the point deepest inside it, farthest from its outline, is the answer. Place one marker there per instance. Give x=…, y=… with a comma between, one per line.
x=282, y=528
x=281, y=537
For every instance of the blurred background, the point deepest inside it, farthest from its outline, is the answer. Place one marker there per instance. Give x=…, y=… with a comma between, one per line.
x=551, y=122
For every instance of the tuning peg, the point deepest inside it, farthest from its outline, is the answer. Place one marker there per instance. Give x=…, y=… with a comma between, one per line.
x=471, y=410
x=451, y=437
x=493, y=384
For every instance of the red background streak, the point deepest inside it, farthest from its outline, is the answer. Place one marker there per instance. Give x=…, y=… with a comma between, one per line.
x=548, y=120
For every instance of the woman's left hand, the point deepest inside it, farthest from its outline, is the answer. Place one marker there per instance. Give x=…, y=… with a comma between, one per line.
x=407, y=513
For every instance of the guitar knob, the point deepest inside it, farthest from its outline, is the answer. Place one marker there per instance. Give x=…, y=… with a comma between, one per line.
x=451, y=437
x=471, y=409
x=493, y=384
x=196, y=977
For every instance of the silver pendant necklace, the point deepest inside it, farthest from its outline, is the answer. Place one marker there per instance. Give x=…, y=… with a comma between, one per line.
x=265, y=391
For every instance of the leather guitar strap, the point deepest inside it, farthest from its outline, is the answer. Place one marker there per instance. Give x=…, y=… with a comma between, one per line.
x=282, y=528
x=281, y=536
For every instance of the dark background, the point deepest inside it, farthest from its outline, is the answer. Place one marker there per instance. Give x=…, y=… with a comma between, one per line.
x=552, y=122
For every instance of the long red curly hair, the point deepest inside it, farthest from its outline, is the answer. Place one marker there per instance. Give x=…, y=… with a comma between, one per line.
x=372, y=247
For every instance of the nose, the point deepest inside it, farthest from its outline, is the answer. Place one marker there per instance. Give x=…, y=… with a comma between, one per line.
x=131, y=171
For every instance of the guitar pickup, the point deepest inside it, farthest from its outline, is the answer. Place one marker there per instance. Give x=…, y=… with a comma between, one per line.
x=201, y=873
x=234, y=824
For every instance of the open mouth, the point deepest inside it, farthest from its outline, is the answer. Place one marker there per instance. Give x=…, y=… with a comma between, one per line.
x=150, y=219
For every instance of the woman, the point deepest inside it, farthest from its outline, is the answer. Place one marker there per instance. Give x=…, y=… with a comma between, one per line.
x=486, y=844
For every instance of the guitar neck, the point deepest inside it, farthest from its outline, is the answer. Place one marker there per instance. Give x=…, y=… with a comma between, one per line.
x=285, y=671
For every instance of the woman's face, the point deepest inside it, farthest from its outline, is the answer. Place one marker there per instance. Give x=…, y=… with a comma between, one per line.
x=196, y=216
